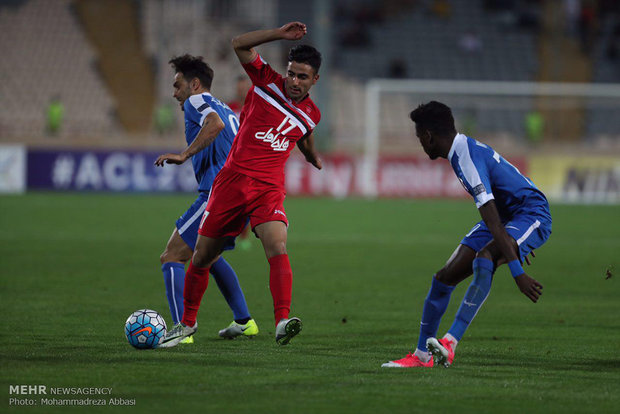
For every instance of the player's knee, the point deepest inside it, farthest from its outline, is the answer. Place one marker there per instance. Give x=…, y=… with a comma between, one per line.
x=168, y=256
x=485, y=254
x=200, y=259
x=275, y=248
x=445, y=277
x=173, y=256
x=163, y=258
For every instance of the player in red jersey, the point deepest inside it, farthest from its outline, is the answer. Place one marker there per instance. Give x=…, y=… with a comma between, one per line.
x=277, y=114
x=241, y=91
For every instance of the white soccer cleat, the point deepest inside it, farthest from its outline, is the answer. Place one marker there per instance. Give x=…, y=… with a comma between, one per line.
x=177, y=334
x=442, y=349
x=287, y=329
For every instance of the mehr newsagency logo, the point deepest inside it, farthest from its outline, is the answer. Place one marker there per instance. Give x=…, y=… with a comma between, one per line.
x=64, y=396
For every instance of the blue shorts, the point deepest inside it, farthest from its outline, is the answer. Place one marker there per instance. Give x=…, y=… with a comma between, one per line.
x=529, y=230
x=188, y=223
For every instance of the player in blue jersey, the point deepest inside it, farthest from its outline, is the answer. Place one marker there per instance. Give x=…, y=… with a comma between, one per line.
x=515, y=221
x=210, y=128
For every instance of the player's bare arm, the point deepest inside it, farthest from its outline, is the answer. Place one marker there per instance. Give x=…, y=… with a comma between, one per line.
x=529, y=287
x=212, y=126
x=306, y=146
x=243, y=44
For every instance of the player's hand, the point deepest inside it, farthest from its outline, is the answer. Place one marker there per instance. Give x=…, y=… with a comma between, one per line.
x=529, y=287
x=314, y=160
x=317, y=163
x=170, y=159
x=293, y=31
x=527, y=259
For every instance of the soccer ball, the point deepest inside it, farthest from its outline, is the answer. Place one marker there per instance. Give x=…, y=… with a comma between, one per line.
x=145, y=329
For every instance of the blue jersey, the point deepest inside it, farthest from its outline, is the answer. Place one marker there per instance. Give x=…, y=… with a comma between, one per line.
x=486, y=175
x=208, y=162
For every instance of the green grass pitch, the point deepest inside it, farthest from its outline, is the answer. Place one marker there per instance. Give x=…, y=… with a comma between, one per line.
x=74, y=266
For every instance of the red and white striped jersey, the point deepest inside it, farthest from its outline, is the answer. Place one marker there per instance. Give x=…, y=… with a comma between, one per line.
x=271, y=124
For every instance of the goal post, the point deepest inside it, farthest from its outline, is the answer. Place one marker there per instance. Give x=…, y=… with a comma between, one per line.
x=560, y=113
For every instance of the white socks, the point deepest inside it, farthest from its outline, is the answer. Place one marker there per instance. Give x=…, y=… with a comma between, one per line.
x=424, y=356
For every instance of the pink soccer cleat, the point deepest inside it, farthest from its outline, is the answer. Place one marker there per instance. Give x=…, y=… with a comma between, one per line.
x=409, y=361
x=442, y=349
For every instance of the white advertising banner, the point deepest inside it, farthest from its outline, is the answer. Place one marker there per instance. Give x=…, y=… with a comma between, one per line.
x=12, y=169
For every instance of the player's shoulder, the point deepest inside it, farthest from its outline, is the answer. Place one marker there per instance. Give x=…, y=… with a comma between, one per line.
x=260, y=64
x=258, y=60
x=218, y=105
x=468, y=150
x=201, y=102
x=309, y=108
x=460, y=146
x=473, y=146
x=196, y=102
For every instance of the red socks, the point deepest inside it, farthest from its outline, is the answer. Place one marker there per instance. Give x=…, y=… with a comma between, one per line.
x=281, y=285
x=196, y=281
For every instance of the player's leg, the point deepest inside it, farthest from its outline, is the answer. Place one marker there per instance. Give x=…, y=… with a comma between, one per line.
x=478, y=291
x=269, y=222
x=177, y=253
x=456, y=269
x=273, y=235
x=206, y=252
x=484, y=266
x=224, y=217
x=179, y=250
x=528, y=233
x=173, y=260
x=228, y=283
x=488, y=258
x=443, y=349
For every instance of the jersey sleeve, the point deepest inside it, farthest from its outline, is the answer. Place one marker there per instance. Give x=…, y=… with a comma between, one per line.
x=475, y=176
x=260, y=72
x=196, y=109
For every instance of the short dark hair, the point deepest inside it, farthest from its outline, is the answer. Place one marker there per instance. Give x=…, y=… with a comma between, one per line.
x=305, y=54
x=435, y=117
x=193, y=67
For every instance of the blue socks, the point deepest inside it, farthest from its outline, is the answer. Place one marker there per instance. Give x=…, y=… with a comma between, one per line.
x=174, y=279
x=474, y=297
x=227, y=281
x=225, y=277
x=434, y=307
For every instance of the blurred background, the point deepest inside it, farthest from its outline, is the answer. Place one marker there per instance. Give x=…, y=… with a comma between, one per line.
x=86, y=90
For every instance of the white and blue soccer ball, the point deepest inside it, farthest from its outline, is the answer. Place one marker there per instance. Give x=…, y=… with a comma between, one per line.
x=145, y=329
